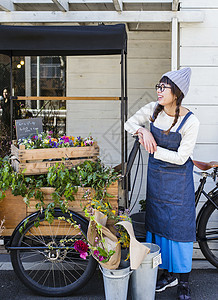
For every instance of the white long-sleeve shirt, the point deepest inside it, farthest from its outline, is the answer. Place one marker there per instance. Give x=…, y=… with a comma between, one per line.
x=189, y=132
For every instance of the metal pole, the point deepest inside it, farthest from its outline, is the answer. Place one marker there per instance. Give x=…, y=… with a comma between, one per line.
x=122, y=120
x=38, y=80
x=127, y=178
x=126, y=106
x=11, y=101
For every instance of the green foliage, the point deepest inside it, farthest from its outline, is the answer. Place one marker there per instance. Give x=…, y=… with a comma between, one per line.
x=64, y=181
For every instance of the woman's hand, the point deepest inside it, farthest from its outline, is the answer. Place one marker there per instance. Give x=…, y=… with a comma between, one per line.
x=147, y=140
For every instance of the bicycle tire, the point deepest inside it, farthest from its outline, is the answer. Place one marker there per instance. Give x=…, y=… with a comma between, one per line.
x=208, y=247
x=58, y=272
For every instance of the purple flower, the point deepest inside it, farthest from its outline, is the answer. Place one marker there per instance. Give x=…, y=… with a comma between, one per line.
x=66, y=139
x=101, y=258
x=96, y=253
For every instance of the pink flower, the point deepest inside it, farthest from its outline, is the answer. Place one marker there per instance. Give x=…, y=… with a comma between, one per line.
x=83, y=255
x=65, y=139
x=82, y=248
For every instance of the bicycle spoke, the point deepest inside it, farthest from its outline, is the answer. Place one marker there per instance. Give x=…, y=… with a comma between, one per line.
x=58, y=268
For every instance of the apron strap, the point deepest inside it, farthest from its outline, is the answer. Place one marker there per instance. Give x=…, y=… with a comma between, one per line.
x=184, y=120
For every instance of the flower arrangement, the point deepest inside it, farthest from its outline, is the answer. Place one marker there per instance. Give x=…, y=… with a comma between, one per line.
x=84, y=247
x=105, y=234
x=104, y=243
x=46, y=140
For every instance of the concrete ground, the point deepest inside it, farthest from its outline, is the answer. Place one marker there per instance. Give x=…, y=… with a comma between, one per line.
x=203, y=282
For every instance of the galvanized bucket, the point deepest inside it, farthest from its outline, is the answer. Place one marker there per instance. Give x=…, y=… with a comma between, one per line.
x=143, y=280
x=116, y=283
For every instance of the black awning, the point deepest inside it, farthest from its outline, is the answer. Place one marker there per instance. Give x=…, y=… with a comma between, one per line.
x=63, y=40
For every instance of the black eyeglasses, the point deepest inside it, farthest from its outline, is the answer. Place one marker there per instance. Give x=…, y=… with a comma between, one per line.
x=161, y=87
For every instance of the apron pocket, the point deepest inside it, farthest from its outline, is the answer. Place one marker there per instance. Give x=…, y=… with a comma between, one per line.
x=166, y=186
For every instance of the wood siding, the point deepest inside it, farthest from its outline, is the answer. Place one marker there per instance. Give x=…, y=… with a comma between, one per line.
x=199, y=50
x=148, y=58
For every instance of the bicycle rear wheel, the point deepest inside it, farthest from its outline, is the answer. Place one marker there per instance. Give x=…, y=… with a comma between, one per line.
x=208, y=233
x=56, y=270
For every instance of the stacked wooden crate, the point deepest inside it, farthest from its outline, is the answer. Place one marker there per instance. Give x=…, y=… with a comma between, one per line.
x=38, y=161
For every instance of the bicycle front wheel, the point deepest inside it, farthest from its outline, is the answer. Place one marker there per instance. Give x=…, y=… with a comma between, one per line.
x=46, y=260
x=208, y=233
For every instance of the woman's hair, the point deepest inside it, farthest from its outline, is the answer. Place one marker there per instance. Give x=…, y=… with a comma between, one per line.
x=179, y=96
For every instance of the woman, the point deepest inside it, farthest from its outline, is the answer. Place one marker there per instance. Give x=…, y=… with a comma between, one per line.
x=5, y=106
x=170, y=205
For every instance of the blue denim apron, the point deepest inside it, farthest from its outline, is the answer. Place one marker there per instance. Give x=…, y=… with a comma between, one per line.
x=170, y=201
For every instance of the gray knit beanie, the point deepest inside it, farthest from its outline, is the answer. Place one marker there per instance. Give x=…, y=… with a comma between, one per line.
x=181, y=78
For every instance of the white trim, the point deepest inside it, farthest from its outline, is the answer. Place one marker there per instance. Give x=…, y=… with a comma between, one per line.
x=118, y=4
x=147, y=1
x=62, y=4
x=90, y=1
x=175, y=5
x=32, y=1
x=100, y=16
x=6, y=5
x=124, y=1
x=174, y=45
x=206, y=4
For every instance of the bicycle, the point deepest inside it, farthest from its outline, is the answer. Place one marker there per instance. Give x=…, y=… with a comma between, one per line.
x=206, y=221
x=43, y=256
x=45, y=261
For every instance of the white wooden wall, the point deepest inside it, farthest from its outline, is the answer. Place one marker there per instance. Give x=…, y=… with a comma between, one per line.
x=148, y=58
x=149, y=55
x=199, y=50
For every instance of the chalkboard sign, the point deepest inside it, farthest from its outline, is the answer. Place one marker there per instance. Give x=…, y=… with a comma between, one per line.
x=28, y=127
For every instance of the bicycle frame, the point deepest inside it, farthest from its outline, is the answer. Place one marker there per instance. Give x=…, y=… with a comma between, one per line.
x=201, y=190
x=209, y=196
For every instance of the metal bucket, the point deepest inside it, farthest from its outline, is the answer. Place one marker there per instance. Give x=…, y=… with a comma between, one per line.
x=116, y=283
x=138, y=223
x=143, y=280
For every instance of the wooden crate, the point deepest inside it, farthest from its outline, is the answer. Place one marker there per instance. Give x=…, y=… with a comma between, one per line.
x=37, y=161
x=14, y=210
